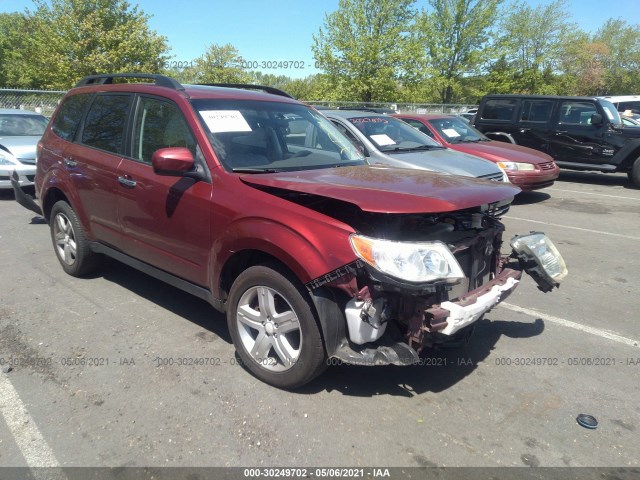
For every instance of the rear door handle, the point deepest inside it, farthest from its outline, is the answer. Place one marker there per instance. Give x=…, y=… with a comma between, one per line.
x=127, y=182
x=561, y=132
x=70, y=163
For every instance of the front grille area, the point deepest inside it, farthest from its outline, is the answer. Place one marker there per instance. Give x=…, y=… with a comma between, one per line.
x=31, y=178
x=546, y=166
x=496, y=177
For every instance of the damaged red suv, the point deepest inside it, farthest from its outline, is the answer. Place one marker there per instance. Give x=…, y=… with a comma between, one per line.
x=258, y=204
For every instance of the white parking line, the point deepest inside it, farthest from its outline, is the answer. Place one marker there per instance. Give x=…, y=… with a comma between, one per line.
x=591, y=193
x=32, y=445
x=568, y=323
x=629, y=237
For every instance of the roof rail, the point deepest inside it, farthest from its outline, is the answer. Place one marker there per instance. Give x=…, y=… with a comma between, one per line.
x=248, y=86
x=107, y=78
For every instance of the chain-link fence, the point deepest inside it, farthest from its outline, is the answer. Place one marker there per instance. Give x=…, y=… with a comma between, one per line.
x=45, y=102
x=399, y=107
x=41, y=101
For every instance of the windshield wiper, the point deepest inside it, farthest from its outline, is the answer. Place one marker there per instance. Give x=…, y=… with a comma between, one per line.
x=411, y=149
x=255, y=170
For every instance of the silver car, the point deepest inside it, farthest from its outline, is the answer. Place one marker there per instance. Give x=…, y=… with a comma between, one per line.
x=20, y=131
x=390, y=141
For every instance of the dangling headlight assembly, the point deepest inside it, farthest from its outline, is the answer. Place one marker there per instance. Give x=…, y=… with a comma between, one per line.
x=411, y=262
x=540, y=259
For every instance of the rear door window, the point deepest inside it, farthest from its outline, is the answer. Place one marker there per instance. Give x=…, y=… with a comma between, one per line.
x=105, y=122
x=501, y=109
x=537, y=111
x=69, y=116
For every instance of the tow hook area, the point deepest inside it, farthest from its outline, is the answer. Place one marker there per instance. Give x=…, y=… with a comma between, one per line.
x=22, y=198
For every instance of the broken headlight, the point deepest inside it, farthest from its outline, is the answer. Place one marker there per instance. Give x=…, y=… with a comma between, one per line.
x=412, y=262
x=541, y=259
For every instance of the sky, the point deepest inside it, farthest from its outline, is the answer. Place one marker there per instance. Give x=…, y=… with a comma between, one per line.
x=279, y=30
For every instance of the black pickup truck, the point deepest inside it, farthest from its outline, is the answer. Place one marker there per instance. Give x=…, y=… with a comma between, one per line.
x=580, y=133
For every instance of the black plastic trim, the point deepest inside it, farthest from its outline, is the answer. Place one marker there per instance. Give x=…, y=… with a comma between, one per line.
x=107, y=79
x=192, y=288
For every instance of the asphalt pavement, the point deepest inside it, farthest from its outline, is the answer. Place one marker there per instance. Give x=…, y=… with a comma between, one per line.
x=122, y=370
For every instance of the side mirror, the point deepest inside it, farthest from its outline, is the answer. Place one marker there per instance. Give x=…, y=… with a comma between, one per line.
x=596, y=119
x=172, y=161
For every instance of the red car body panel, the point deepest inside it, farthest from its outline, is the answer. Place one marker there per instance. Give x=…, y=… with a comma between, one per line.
x=546, y=169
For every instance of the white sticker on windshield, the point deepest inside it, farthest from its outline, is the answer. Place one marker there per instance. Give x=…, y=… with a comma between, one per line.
x=382, y=139
x=225, y=121
x=450, y=132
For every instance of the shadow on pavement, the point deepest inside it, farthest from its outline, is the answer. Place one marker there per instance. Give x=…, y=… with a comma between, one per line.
x=529, y=198
x=170, y=298
x=441, y=370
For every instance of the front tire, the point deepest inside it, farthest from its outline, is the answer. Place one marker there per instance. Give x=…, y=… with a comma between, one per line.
x=274, y=329
x=70, y=243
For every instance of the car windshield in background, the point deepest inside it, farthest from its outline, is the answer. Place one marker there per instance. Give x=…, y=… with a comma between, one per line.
x=22, y=125
x=455, y=130
x=392, y=135
x=254, y=136
x=611, y=111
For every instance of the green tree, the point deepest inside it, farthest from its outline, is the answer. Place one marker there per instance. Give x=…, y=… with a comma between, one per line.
x=456, y=35
x=363, y=48
x=533, y=41
x=64, y=40
x=622, y=62
x=219, y=64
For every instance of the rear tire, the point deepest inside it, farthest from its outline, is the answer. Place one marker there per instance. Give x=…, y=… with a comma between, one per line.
x=70, y=243
x=634, y=174
x=274, y=328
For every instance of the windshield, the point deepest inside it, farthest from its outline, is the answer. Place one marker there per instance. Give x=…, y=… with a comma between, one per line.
x=455, y=130
x=611, y=111
x=12, y=125
x=255, y=136
x=390, y=134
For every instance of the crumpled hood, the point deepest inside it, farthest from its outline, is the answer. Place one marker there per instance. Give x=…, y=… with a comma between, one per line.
x=23, y=148
x=389, y=190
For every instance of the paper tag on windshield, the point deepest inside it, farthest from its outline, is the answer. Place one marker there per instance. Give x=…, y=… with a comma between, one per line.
x=225, y=121
x=382, y=139
x=450, y=132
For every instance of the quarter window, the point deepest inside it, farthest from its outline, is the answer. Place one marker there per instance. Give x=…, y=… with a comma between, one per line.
x=104, y=126
x=160, y=124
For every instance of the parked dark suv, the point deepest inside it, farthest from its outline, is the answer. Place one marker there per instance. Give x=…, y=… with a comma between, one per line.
x=258, y=204
x=580, y=133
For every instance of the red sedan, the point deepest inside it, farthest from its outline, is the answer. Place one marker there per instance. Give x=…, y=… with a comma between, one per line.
x=527, y=168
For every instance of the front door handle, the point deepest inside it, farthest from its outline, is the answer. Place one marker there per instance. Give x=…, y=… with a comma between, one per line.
x=561, y=132
x=70, y=163
x=127, y=182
